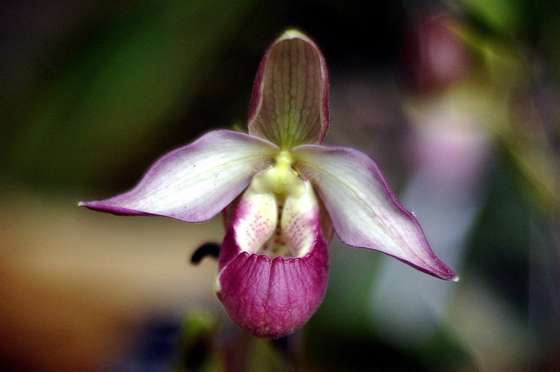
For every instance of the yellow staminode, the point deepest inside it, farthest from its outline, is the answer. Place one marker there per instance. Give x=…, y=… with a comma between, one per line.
x=280, y=179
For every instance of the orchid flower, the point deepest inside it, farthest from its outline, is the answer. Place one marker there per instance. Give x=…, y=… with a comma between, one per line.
x=282, y=193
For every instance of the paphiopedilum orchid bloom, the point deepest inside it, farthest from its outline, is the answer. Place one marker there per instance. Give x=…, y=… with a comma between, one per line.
x=282, y=192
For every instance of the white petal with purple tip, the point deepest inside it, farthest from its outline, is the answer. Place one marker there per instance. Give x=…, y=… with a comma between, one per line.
x=364, y=211
x=194, y=182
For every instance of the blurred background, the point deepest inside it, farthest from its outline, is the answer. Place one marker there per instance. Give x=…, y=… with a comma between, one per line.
x=456, y=100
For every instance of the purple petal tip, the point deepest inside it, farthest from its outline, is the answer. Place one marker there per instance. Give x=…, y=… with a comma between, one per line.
x=105, y=206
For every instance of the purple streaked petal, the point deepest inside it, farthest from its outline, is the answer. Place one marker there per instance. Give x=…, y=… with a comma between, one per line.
x=289, y=104
x=194, y=182
x=271, y=296
x=364, y=211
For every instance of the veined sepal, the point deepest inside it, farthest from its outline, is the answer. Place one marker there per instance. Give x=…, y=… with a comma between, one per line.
x=290, y=100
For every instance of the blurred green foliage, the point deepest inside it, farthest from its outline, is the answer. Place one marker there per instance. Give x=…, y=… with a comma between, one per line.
x=118, y=89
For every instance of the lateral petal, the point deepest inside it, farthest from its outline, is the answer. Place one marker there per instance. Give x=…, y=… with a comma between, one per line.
x=364, y=211
x=289, y=104
x=194, y=182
